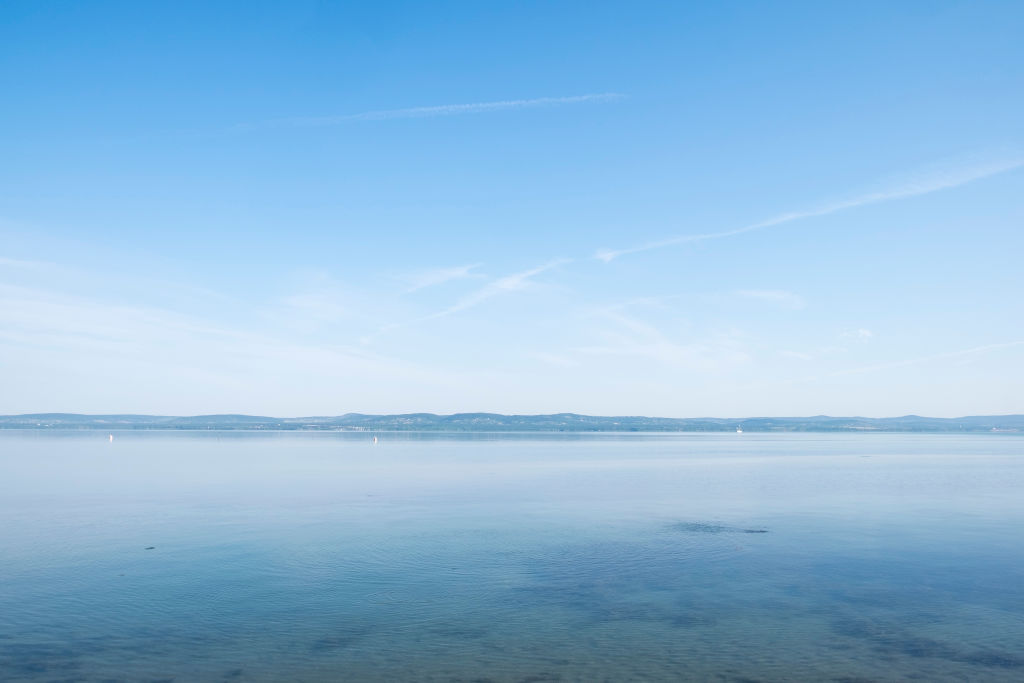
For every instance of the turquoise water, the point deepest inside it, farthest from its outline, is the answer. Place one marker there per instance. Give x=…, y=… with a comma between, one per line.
x=324, y=557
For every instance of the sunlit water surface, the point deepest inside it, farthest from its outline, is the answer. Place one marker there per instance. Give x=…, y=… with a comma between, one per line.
x=324, y=557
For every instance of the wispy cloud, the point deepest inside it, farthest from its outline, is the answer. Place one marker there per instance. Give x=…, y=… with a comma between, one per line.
x=630, y=336
x=437, y=110
x=502, y=285
x=926, y=184
x=889, y=365
x=151, y=359
x=859, y=334
x=315, y=301
x=437, y=276
x=927, y=359
x=26, y=265
x=779, y=297
x=315, y=306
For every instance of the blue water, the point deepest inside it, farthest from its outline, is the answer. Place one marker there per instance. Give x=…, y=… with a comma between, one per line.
x=324, y=557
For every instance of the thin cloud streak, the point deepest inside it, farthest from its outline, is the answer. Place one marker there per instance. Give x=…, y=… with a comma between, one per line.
x=631, y=337
x=438, y=276
x=509, y=283
x=926, y=359
x=934, y=183
x=438, y=110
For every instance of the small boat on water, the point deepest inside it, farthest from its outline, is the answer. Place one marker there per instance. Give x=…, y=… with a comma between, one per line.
x=739, y=430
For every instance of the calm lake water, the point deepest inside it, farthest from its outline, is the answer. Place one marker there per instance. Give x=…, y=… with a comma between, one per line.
x=324, y=557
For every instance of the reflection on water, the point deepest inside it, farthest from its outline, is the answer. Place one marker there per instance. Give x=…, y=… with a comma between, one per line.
x=321, y=557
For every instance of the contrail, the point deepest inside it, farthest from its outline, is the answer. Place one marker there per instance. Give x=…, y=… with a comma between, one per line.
x=928, y=185
x=438, y=110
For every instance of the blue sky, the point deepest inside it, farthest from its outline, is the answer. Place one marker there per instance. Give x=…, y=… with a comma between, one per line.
x=673, y=209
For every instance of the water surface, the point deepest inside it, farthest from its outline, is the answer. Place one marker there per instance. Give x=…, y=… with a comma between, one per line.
x=324, y=557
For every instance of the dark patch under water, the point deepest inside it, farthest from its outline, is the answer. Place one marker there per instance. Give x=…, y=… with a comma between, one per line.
x=894, y=640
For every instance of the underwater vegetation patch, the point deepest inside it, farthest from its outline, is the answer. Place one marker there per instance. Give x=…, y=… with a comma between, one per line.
x=32, y=659
x=340, y=639
x=894, y=640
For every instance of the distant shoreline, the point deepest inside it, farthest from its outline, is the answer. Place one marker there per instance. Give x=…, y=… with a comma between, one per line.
x=498, y=423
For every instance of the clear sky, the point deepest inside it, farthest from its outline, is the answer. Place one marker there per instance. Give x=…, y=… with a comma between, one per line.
x=673, y=208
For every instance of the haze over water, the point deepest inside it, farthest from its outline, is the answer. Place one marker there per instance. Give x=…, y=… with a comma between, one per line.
x=318, y=557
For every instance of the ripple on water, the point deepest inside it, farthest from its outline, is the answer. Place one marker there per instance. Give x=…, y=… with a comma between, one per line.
x=712, y=528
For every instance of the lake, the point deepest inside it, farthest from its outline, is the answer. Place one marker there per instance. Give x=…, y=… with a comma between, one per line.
x=228, y=556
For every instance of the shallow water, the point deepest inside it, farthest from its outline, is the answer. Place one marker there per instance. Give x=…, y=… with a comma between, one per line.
x=324, y=557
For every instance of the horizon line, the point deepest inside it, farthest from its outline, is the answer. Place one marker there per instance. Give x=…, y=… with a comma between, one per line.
x=460, y=413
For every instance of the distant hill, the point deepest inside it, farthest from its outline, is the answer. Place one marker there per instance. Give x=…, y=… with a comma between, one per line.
x=493, y=422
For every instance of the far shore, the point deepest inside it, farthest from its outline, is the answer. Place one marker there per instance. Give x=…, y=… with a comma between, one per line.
x=495, y=423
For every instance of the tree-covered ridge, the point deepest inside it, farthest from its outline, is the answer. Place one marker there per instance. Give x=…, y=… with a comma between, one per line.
x=489, y=422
